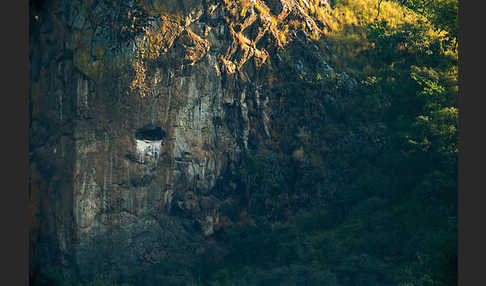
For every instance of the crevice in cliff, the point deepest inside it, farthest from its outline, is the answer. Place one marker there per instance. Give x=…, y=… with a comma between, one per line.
x=150, y=134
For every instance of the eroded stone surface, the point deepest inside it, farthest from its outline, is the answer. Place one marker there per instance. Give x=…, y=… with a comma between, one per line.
x=197, y=69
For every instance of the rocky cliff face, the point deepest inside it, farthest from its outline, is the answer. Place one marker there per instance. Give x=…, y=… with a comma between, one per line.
x=140, y=115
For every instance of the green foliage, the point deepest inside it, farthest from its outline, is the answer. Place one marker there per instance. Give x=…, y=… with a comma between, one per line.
x=413, y=89
x=442, y=13
x=265, y=175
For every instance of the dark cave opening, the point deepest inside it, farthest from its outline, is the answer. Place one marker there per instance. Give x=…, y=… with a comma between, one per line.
x=150, y=133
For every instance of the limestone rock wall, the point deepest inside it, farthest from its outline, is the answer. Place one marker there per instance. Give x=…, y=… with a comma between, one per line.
x=101, y=72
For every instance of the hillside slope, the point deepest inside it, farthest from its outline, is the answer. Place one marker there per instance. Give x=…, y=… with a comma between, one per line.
x=242, y=142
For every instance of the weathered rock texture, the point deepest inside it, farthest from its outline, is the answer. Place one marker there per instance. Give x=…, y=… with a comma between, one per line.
x=140, y=114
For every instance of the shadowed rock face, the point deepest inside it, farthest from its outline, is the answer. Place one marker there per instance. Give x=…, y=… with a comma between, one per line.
x=134, y=139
